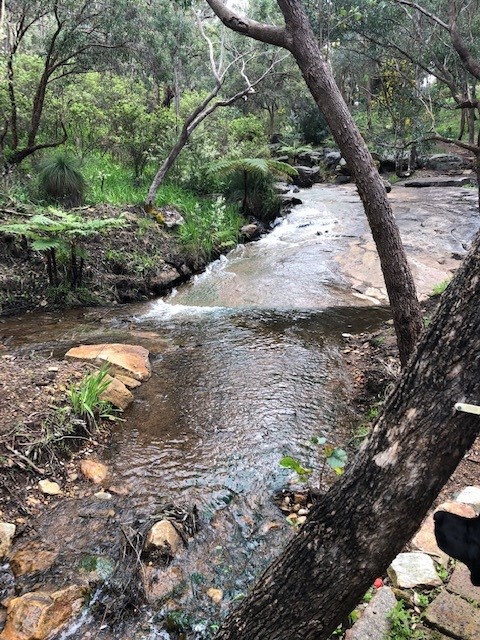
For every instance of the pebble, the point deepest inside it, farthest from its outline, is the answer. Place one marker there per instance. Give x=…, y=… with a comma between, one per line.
x=103, y=495
x=49, y=488
x=303, y=512
x=215, y=594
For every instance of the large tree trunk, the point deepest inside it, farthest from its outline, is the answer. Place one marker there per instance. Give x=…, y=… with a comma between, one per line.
x=299, y=39
x=360, y=525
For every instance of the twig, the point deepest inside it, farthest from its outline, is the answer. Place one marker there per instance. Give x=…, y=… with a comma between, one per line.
x=24, y=458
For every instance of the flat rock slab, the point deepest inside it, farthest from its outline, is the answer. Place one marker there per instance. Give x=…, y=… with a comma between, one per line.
x=125, y=359
x=374, y=623
x=454, y=616
x=461, y=584
x=441, y=181
x=410, y=570
x=36, y=615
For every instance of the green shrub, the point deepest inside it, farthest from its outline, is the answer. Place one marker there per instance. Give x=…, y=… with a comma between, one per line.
x=60, y=233
x=210, y=228
x=252, y=181
x=61, y=181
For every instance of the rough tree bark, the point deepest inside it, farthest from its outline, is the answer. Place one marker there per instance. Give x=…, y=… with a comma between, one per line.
x=297, y=37
x=359, y=526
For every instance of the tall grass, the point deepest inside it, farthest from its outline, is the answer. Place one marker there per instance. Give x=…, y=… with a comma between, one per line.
x=86, y=397
x=210, y=227
x=110, y=182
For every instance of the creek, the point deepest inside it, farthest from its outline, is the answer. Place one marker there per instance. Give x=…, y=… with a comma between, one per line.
x=248, y=365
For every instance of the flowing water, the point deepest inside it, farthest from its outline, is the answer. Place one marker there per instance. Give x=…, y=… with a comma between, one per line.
x=247, y=366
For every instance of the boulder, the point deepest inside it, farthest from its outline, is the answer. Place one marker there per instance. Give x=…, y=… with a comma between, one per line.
x=116, y=393
x=251, y=231
x=165, y=537
x=281, y=187
x=310, y=158
x=332, y=158
x=37, y=615
x=448, y=162
x=410, y=570
x=7, y=533
x=289, y=200
x=341, y=179
x=307, y=176
x=127, y=381
x=125, y=359
x=94, y=471
x=469, y=495
x=165, y=278
x=172, y=217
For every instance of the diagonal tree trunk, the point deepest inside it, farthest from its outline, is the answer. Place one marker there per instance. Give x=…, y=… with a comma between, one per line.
x=297, y=36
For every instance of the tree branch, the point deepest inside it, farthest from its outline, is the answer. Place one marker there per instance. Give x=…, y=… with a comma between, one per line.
x=426, y=13
x=21, y=154
x=458, y=143
x=469, y=62
x=269, y=33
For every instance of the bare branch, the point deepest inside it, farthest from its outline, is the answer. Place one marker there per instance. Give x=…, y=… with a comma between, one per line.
x=211, y=52
x=271, y=34
x=426, y=13
x=458, y=143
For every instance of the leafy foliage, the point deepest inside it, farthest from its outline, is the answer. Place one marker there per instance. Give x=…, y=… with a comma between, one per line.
x=86, y=399
x=264, y=168
x=210, y=228
x=292, y=463
x=254, y=165
x=60, y=231
x=61, y=181
x=332, y=456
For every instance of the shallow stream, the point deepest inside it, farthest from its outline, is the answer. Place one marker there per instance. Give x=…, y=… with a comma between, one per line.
x=247, y=366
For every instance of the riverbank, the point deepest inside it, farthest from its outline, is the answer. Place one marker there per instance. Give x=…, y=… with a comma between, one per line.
x=141, y=256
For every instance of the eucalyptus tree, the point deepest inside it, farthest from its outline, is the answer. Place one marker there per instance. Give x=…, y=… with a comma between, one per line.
x=440, y=40
x=459, y=22
x=64, y=38
x=297, y=36
x=224, y=61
